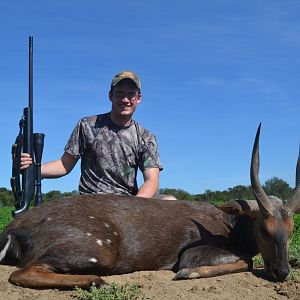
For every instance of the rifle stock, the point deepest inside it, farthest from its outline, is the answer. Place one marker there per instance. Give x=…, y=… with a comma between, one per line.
x=32, y=144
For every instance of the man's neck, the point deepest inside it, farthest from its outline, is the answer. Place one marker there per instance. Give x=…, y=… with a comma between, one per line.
x=121, y=121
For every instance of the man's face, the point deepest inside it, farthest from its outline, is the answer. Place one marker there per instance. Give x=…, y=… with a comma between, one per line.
x=125, y=97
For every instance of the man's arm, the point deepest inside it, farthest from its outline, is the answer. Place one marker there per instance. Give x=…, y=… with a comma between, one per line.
x=151, y=183
x=60, y=167
x=53, y=169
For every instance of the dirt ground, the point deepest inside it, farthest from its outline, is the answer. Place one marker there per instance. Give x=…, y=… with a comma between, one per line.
x=158, y=285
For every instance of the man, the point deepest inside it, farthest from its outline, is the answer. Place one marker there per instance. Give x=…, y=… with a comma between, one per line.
x=111, y=147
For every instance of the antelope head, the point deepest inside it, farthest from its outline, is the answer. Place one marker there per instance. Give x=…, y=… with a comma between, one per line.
x=274, y=223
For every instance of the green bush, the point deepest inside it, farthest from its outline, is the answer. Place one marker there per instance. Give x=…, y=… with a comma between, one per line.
x=294, y=250
x=6, y=197
x=295, y=240
x=5, y=216
x=128, y=291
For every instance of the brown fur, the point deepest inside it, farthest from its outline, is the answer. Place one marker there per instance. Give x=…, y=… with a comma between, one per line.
x=109, y=234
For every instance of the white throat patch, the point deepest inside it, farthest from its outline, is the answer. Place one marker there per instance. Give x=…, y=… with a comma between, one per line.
x=4, y=250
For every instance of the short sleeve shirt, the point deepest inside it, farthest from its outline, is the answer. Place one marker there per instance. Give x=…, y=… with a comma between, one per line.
x=111, y=155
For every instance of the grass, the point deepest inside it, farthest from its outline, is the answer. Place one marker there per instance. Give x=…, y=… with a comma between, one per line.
x=294, y=253
x=5, y=216
x=258, y=261
x=294, y=249
x=294, y=275
x=128, y=291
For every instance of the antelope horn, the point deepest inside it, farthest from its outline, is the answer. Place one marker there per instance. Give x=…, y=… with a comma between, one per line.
x=293, y=203
x=265, y=205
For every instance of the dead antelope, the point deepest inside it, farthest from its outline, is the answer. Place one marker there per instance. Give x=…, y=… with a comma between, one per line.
x=71, y=242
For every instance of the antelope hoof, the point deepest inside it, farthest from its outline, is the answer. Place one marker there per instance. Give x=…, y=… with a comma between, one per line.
x=98, y=282
x=186, y=274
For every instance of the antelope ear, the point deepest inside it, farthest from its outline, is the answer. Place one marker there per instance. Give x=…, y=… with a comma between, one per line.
x=241, y=207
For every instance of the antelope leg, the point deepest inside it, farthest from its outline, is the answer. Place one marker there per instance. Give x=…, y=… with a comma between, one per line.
x=40, y=276
x=211, y=271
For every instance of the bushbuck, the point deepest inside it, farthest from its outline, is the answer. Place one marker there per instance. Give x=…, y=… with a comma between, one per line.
x=76, y=241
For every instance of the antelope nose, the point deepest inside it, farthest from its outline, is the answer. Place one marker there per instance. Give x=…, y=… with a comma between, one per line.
x=280, y=275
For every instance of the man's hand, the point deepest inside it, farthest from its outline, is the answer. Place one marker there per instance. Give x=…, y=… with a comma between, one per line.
x=25, y=161
x=54, y=169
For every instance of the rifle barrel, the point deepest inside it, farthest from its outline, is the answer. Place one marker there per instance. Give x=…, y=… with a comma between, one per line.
x=30, y=96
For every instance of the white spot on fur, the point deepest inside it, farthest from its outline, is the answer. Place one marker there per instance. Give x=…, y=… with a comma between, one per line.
x=106, y=225
x=88, y=234
x=99, y=242
x=93, y=260
x=91, y=217
x=4, y=250
x=115, y=233
x=108, y=241
x=49, y=219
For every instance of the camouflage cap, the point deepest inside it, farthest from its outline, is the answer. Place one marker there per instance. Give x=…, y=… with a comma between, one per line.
x=126, y=75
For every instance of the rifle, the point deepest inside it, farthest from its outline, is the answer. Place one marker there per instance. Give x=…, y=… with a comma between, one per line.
x=32, y=144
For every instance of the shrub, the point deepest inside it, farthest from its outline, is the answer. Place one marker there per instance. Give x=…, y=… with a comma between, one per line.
x=5, y=216
x=128, y=291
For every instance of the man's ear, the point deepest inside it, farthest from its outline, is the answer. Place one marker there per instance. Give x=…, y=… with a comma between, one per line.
x=139, y=99
x=110, y=95
x=240, y=207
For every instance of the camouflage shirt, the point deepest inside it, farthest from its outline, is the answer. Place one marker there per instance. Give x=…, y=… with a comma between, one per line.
x=111, y=155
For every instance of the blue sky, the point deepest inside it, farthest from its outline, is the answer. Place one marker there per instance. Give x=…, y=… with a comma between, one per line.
x=210, y=71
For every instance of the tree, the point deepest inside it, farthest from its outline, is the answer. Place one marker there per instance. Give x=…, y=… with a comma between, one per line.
x=54, y=194
x=240, y=192
x=6, y=197
x=278, y=187
x=69, y=194
x=209, y=194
